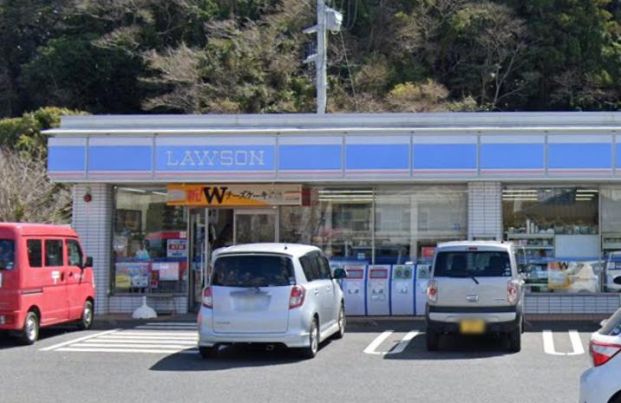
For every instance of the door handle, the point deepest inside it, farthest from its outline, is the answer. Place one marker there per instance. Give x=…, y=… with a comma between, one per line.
x=316, y=291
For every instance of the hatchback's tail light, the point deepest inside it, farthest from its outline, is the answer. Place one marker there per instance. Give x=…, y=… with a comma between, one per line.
x=432, y=291
x=296, y=298
x=512, y=292
x=603, y=352
x=207, y=297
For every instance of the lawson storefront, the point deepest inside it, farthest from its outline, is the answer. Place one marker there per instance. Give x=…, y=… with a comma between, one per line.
x=154, y=195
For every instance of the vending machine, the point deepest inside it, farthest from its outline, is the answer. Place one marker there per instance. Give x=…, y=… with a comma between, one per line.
x=354, y=290
x=378, y=287
x=423, y=272
x=402, y=289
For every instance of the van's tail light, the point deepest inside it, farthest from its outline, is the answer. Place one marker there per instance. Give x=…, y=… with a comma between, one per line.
x=296, y=298
x=512, y=292
x=432, y=291
x=207, y=297
x=603, y=352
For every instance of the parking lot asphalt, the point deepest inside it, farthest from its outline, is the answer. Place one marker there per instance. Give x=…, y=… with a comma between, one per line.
x=378, y=360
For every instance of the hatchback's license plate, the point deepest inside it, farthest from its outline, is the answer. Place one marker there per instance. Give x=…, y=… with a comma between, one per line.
x=472, y=326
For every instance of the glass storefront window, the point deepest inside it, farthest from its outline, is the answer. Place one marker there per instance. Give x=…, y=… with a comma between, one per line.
x=384, y=225
x=150, y=245
x=557, y=229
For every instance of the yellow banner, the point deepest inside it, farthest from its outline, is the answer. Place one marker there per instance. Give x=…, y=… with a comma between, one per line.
x=234, y=195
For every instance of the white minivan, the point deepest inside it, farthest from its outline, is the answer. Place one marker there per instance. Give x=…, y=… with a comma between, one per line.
x=273, y=294
x=475, y=288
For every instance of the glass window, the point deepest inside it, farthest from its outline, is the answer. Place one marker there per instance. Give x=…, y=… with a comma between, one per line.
x=7, y=254
x=478, y=264
x=324, y=268
x=253, y=271
x=383, y=225
x=35, y=255
x=310, y=266
x=75, y=253
x=557, y=228
x=613, y=325
x=149, y=242
x=53, y=252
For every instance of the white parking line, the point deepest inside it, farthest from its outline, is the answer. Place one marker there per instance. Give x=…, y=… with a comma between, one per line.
x=399, y=348
x=574, y=337
x=92, y=336
x=124, y=350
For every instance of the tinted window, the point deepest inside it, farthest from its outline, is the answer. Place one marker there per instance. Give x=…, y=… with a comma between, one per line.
x=310, y=266
x=75, y=253
x=7, y=254
x=253, y=271
x=475, y=263
x=34, y=252
x=53, y=253
x=613, y=325
x=324, y=267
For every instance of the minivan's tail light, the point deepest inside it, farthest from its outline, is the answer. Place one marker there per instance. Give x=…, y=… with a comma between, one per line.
x=207, y=297
x=432, y=291
x=296, y=298
x=512, y=292
x=603, y=352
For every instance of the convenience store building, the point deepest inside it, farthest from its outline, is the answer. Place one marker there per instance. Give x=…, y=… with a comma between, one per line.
x=153, y=194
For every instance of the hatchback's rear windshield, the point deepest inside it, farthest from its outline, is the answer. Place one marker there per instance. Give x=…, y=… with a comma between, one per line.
x=7, y=254
x=253, y=271
x=613, y=325
x=472, y=263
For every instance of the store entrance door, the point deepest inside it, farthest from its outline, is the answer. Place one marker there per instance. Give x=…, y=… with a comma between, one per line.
x=197, y=253
x=208, y=229
x=255, y=225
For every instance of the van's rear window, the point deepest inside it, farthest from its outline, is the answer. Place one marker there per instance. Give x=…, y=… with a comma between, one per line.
x=253, y=271
x=7, y=254
x=472, y=263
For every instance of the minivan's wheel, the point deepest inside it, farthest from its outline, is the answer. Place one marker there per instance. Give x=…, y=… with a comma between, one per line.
x=313, y=341
x=86, y=321
x=515, y=339
x=341, y=322
x=433, y=340
x=208, y=352
x=30, y=332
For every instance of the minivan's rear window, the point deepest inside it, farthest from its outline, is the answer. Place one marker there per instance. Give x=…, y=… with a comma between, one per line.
x=472, y=263
x=7, y=254
x=253, y=271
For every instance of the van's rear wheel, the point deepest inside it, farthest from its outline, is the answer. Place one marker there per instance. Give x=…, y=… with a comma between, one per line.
x=30, y=331
x=515, y=339
x=87, y=316
x=433, y=340
x=208, y=352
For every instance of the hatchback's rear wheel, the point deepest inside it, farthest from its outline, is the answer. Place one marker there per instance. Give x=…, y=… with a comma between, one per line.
x=87, y=316
x=341, y=322
x=313, y=341
x=30, y=331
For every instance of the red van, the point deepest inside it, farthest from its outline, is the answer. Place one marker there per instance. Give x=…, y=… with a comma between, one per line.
x=45, y=279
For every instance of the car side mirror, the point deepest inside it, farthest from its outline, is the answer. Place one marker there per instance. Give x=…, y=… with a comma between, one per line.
x=88, y=262
x=603, y=323
x=339, y=274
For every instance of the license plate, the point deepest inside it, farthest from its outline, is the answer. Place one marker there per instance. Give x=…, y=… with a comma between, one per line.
x=472, y=326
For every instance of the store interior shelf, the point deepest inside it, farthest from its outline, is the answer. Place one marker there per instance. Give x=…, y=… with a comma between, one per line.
x=514, y=235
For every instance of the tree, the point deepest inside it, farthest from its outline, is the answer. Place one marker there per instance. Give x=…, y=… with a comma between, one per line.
x=26, y=194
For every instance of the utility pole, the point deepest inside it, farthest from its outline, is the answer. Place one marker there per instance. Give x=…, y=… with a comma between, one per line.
x=327, y=18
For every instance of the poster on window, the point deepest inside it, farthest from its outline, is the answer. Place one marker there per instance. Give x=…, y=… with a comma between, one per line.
x=167, y=271
x=132, y=275
x=177, y=248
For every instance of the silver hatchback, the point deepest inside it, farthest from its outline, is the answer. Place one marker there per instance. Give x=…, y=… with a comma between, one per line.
x=270, y=293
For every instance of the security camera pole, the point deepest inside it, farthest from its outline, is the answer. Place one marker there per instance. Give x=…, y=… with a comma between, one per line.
x=327, y=18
